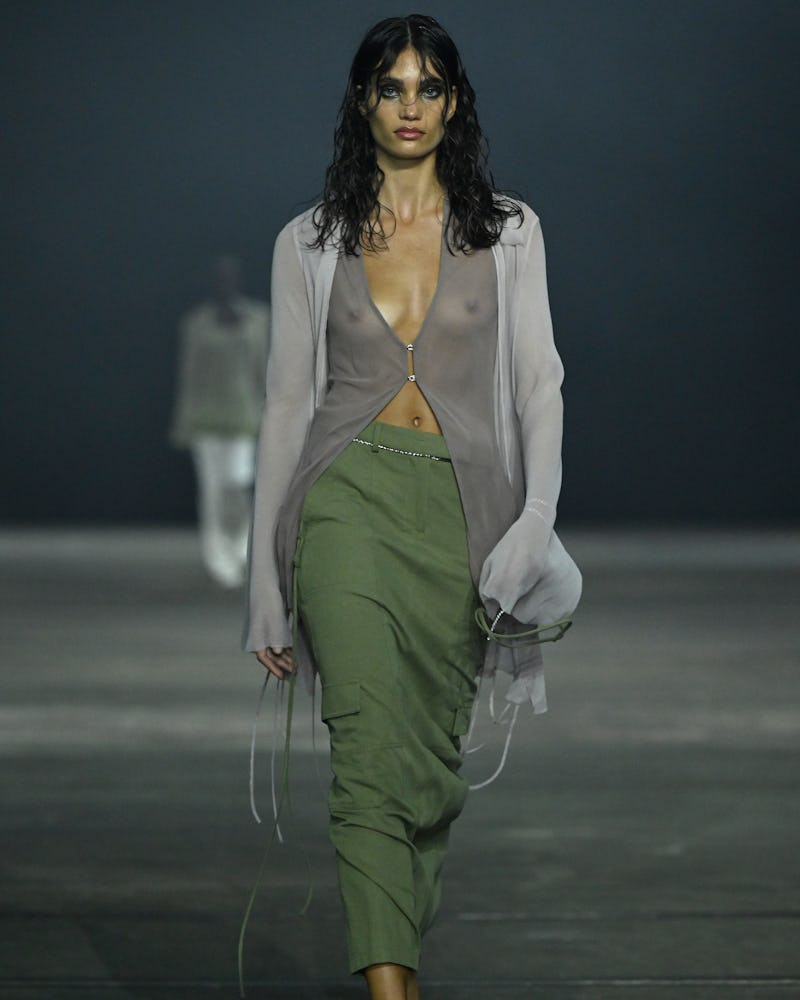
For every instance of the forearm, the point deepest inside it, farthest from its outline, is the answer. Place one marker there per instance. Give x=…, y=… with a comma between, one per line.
x=284, y=426
x=519, y=559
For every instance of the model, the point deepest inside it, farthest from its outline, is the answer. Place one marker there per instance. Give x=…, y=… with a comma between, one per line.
x=218, y=402
x=407, y=473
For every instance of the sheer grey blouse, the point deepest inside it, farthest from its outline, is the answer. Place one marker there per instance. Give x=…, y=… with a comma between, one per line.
x=335, y=363
x=453, y=360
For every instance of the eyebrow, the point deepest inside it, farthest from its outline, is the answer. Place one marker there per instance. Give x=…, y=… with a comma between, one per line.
x=424, y=81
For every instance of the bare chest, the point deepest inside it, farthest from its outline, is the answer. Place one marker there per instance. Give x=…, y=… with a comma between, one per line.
x=403, y=279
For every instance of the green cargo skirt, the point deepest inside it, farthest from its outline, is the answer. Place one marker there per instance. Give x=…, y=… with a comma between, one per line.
x=387, y=601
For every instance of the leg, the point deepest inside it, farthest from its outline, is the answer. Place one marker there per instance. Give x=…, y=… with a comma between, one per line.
x=238, y=464
x=391, y=982
x=205, y=451
x=371, y=821
x=234, y=528
x=387, y=602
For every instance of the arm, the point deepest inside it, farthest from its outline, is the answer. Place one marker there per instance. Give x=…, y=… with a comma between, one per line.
x=519, y=559
x=261, y=348
x=284, y=424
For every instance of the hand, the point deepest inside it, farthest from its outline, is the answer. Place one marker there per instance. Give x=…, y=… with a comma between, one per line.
x=516, y=562
x=277, y=659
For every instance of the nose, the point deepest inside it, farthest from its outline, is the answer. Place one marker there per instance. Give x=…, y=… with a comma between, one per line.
x=409, y=110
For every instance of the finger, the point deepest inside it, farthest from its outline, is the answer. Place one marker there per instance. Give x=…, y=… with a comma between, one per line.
x=266, y=660
x=282, y=656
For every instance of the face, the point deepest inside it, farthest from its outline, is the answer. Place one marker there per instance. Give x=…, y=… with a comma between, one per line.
x=406, y=110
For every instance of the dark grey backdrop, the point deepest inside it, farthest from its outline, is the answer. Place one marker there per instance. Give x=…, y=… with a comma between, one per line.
x=657, y=141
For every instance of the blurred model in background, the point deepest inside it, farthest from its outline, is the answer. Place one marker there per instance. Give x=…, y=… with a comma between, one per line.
x=220, y=394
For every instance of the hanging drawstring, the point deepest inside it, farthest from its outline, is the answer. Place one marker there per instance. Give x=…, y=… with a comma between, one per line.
x=253, y=809
x=276, y=729
x=467, y=749
x=278, y=798
x=533, y=636
x=501, y=765
x=498, y=721
x=532, y=689
x=275, y=834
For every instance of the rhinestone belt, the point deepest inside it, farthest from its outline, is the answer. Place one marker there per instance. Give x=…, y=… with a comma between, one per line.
x=401, y=451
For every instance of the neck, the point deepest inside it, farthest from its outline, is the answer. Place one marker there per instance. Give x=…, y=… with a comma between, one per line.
x=410, y=189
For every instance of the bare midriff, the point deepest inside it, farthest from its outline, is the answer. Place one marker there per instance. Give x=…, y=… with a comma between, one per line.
x=409, y=408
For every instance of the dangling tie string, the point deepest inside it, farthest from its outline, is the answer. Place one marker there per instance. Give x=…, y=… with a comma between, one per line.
x=501, y=765
x=253, y=809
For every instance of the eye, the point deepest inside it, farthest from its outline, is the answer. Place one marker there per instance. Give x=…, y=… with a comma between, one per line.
x=388, y=90
x=432, y=91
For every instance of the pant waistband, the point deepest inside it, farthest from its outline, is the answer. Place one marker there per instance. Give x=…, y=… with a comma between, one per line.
x=404, y=441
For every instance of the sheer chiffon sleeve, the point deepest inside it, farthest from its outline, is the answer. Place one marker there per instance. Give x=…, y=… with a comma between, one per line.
x=529, y=574
x=284, y=427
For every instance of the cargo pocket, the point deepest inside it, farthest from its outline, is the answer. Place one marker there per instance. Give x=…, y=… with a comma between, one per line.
x=460, y=719
x=365, y=773
x=339, y=700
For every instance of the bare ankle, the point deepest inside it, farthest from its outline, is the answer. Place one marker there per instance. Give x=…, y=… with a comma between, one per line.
x=387, y=981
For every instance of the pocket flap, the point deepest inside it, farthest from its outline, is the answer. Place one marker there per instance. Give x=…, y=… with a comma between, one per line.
x=341, y=699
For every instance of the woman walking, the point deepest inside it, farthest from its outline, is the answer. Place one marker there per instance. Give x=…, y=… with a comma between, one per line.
x=407, y=473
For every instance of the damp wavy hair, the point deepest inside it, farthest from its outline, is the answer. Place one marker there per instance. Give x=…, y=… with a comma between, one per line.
x=348, y=212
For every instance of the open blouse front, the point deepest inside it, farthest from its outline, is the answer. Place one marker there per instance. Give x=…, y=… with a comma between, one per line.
x=453, y=361
x=486, y=362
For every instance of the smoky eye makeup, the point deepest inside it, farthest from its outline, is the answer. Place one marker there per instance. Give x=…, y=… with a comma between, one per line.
x=388, y=88
x=430, y=87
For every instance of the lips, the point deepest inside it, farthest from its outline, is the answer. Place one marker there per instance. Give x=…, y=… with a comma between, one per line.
x=408, y=133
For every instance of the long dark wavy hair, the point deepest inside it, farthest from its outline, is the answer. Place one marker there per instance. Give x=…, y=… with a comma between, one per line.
x=349, y=211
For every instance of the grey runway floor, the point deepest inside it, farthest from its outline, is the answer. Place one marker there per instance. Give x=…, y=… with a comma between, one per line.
x=643, y=841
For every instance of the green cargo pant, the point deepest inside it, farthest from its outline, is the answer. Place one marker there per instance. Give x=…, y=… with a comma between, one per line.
x=387, y=600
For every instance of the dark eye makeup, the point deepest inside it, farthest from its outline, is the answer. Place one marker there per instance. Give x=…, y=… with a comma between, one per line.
x=390, y=88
